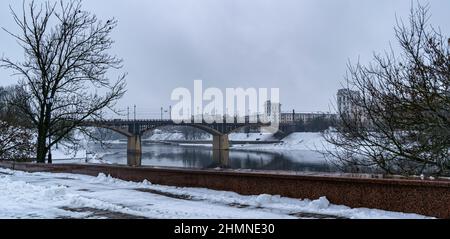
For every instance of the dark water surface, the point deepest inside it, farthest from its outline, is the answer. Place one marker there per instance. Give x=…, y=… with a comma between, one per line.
x=165, y=155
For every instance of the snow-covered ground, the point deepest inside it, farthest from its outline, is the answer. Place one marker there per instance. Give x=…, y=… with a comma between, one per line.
x=61, y=153
x=48, y=195
x=251, y=137
x=293, y=142
x=159, y=135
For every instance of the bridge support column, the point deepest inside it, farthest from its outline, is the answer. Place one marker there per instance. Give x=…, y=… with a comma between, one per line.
x=222, y=158
x=220, y=142
x=134, y=151
x=220, y=150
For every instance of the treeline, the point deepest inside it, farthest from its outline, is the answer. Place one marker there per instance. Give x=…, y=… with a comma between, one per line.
x=16, y=135
x=12, y=101
x=319, y=124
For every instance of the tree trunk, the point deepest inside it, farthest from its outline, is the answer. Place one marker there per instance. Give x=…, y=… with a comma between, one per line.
x=41, y=146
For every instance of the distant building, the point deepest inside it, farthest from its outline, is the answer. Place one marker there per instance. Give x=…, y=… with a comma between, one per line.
x=272, y=111
x=305, y=117
x=345, y=101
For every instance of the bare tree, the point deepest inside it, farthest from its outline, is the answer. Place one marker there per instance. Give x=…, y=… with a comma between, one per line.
x=400, y=118
x=65, y=68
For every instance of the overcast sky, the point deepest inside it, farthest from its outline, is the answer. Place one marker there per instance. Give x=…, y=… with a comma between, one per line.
x=299, y=46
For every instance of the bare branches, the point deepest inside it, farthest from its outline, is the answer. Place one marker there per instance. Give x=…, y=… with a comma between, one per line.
x=401, y=119
x=66, y=59
x=15, y=142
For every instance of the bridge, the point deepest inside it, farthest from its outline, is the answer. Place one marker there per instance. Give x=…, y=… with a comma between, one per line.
x=134, y=129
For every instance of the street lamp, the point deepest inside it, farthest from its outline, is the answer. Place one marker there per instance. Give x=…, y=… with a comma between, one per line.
x=170, y=112
x=49, y=109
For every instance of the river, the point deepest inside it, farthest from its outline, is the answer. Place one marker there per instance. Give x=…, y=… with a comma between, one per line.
x=165, y=155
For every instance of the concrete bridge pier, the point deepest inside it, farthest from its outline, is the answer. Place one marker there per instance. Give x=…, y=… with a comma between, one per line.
x=134, y=151
x=221, y=146
x=222, y=157
x=220, y=142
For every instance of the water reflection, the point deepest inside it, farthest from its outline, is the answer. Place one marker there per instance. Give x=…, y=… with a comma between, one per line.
x=199, y=157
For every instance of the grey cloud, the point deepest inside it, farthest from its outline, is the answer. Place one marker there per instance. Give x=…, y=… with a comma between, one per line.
x=302, y=47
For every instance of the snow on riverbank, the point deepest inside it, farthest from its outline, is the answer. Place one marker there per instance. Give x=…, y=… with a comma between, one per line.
x=81, y=156
x=164, y=136
x=62, y=153
x=293, y=142
x=159, y=135
x=48, y=195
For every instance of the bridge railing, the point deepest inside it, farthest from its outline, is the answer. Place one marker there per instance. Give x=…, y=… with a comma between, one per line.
x=226, y=120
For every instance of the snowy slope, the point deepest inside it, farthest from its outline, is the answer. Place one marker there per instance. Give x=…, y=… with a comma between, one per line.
x=251, y=137
x=293, y=142
x=47, y=195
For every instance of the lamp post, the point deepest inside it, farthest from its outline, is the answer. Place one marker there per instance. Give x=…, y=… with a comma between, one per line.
x=170, y=112
x=166, y=111
x=49, y=108
x=134, y=122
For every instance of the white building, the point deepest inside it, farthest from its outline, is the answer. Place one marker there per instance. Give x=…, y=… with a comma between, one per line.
x=272, y=111
x=305, y=117
x=345, y=99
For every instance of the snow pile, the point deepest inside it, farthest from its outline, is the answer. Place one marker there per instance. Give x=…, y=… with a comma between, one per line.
x=107, y=179
x=47, y=195
x=265, y=199
x=321, y=203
